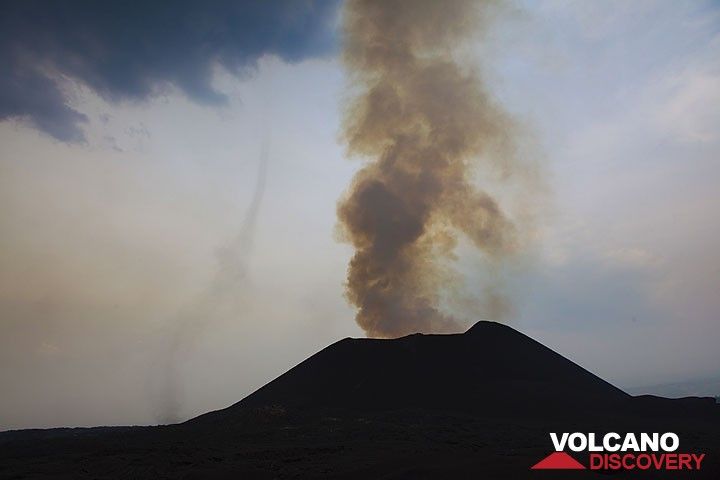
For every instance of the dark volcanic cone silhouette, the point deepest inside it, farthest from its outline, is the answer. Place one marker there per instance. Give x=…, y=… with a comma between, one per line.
x=472, y=405
x=490, y=369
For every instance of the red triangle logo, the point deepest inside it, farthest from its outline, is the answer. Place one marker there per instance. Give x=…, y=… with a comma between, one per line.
x=558, y=461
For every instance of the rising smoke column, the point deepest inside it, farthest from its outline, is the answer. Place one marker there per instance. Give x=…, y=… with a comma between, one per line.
x=426, y=122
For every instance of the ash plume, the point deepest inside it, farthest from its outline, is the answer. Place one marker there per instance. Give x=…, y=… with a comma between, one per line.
x=427, y=124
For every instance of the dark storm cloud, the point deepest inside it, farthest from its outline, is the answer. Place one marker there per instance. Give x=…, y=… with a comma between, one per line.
x=129, y=50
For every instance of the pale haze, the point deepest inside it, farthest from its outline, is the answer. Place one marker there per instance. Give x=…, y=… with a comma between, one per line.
x=106, y=241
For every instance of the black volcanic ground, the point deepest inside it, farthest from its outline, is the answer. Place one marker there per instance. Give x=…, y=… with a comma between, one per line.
x=472, y=405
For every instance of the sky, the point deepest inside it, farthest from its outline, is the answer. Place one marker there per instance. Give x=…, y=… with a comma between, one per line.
x=131, y=153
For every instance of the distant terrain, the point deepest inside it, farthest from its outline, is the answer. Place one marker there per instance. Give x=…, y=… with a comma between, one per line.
x=707, y=387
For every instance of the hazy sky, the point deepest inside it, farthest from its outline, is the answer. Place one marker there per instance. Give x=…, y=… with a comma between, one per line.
x=124, y=183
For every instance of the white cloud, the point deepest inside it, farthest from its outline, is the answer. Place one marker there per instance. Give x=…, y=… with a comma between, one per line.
x=691, y=110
